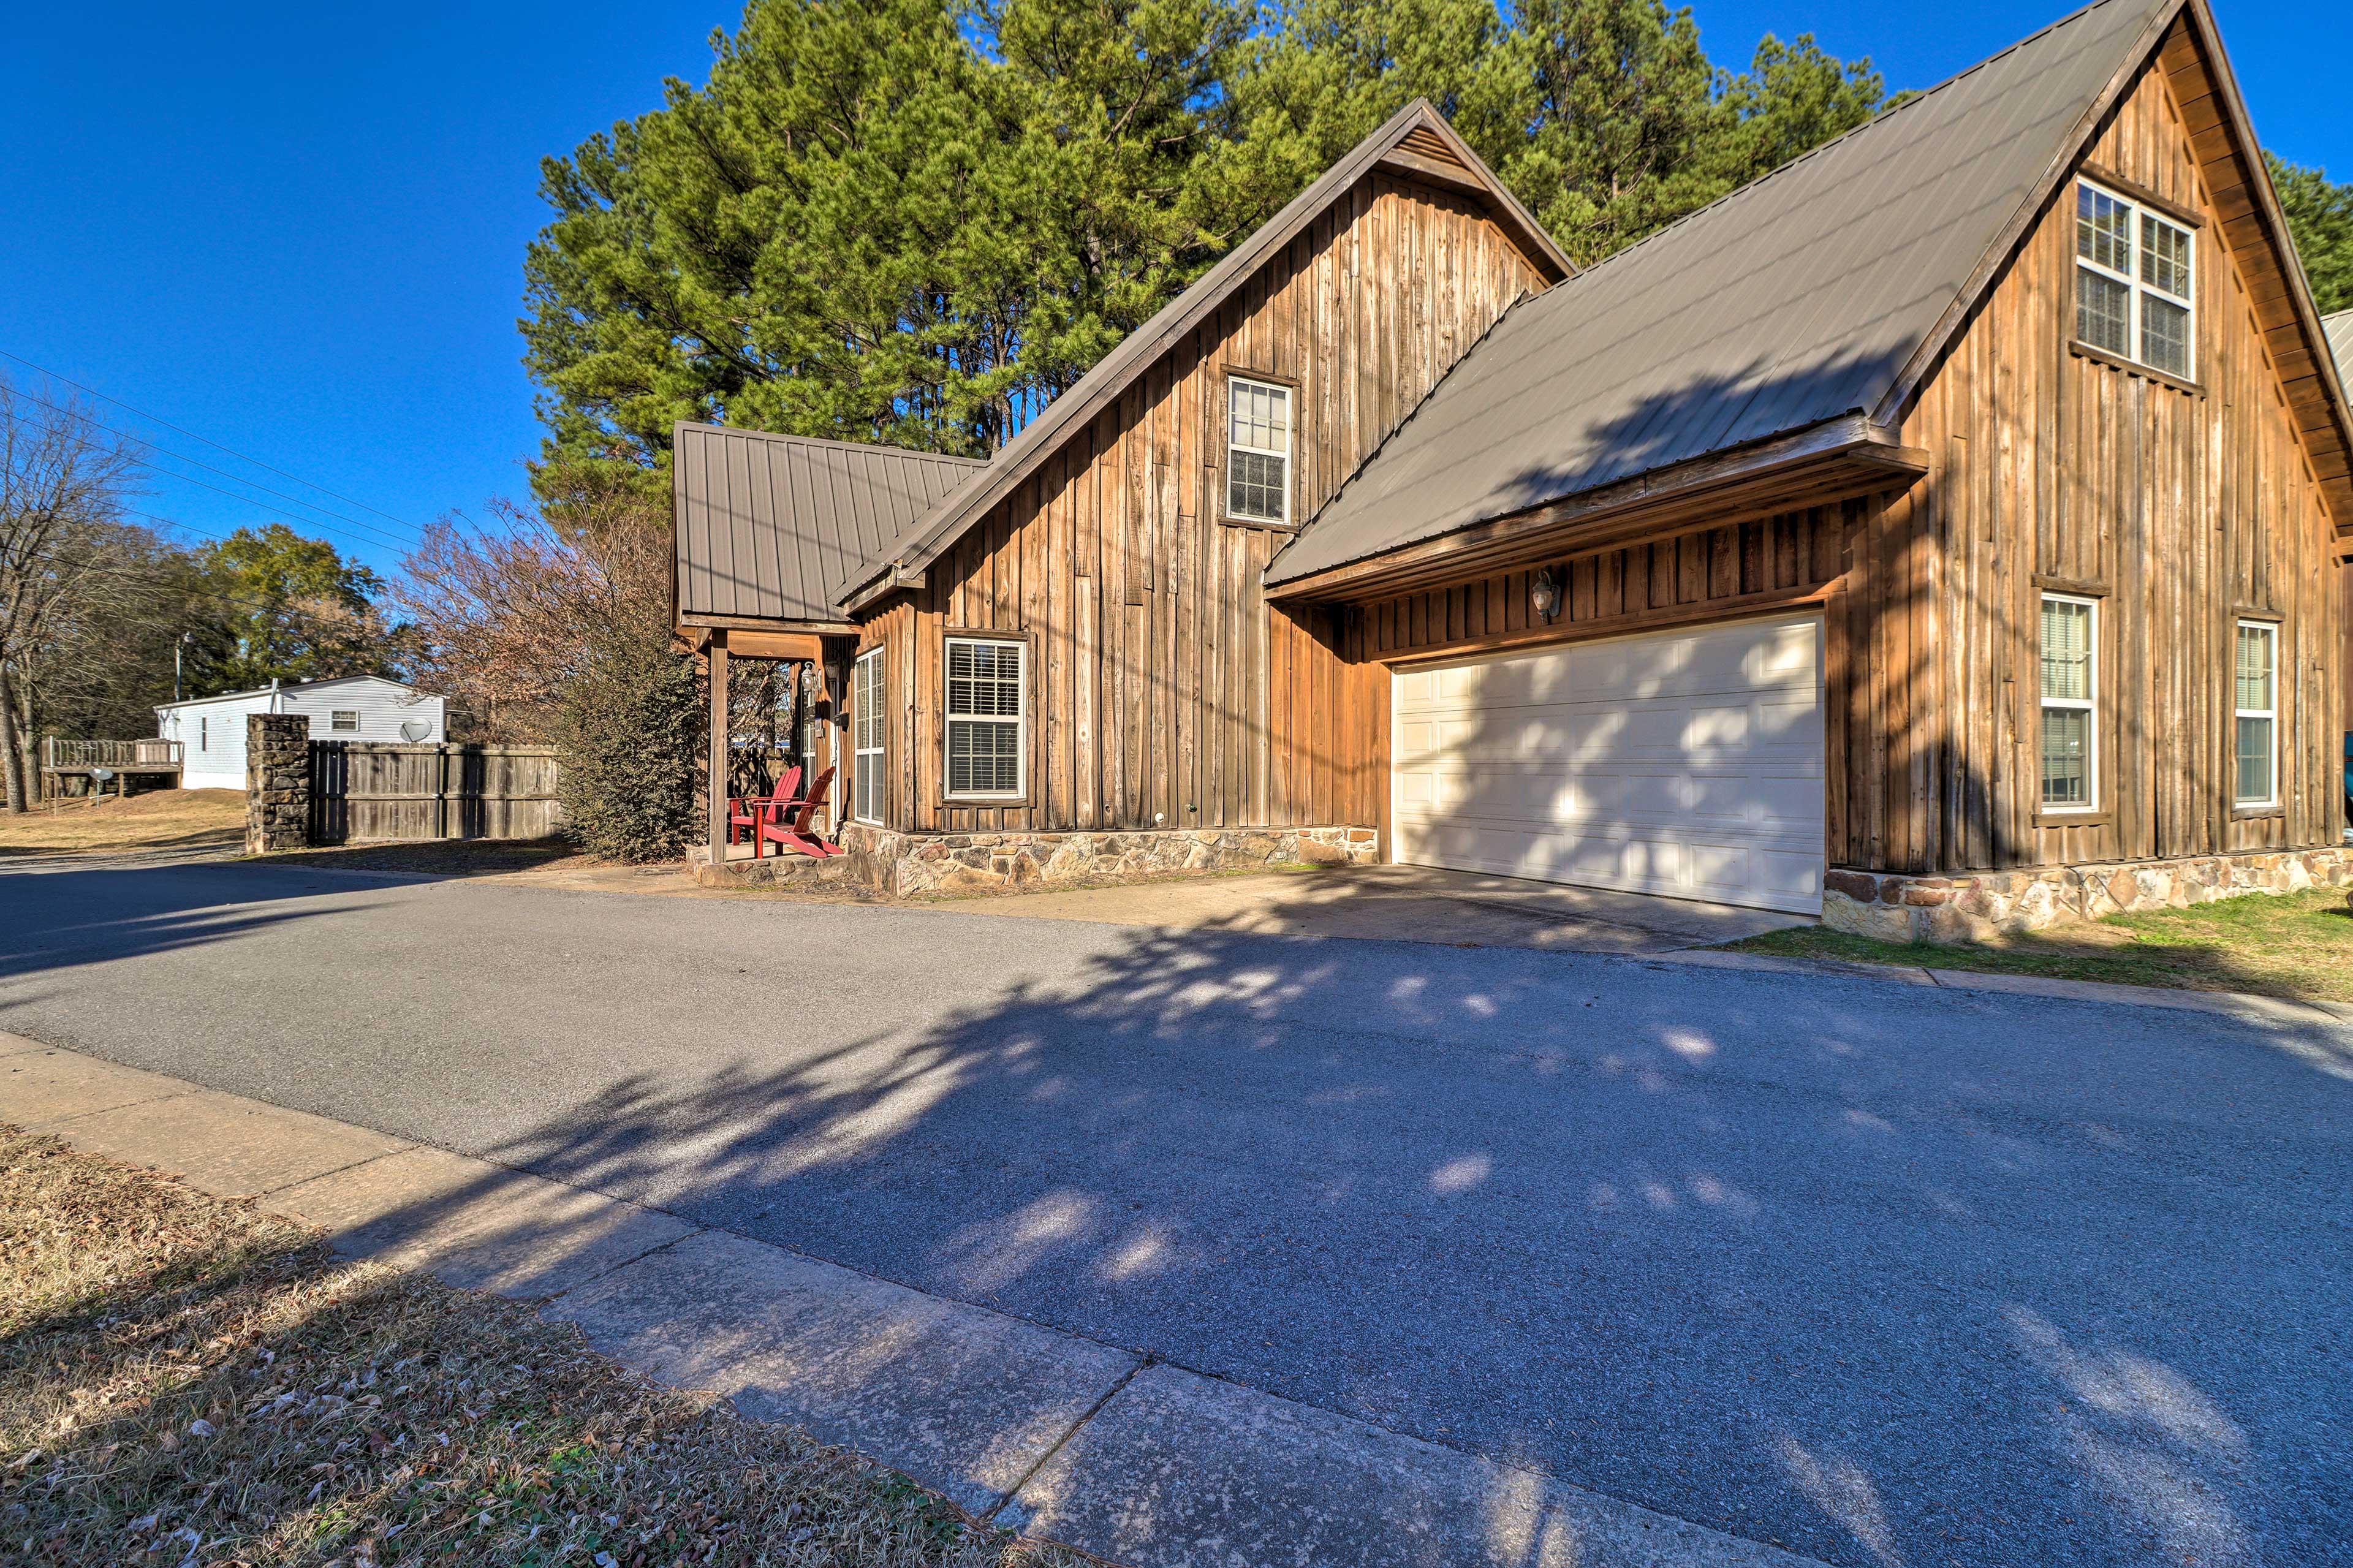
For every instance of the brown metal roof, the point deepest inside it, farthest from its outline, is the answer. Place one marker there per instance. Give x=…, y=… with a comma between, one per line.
x=768, y=526
x=1798, y=299
x=2339, y=330
x=1418, y=131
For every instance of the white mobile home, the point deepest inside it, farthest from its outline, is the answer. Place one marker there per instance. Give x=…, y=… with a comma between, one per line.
x=211, y=730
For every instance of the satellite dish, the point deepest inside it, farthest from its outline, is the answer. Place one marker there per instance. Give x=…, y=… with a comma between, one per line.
x=413, y=730
x=102, y=774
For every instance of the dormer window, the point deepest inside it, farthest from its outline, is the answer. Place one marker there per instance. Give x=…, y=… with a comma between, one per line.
x=2133, y=282
x=1257, y=451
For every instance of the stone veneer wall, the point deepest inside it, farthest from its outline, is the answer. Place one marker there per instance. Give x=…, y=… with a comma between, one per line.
x=899, y=865
x=277, y=781
x=1893, y=906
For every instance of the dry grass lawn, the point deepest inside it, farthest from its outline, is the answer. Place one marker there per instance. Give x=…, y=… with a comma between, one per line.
x=2296, y=945
x=184, y=1381
x=164, y=818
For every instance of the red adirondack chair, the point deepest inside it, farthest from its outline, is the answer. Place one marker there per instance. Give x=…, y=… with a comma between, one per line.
x=793, y=823
x=745, y=813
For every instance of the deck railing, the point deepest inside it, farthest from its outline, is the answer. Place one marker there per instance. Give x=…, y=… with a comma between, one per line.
x=63, y=756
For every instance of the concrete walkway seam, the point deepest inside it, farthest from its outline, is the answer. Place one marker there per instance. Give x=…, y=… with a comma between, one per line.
x=1118, y=1386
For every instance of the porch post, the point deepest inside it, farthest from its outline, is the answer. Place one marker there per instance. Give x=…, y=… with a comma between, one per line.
x=718, y=780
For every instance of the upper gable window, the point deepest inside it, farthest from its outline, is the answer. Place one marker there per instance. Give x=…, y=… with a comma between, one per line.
x=1257, y=451
x=2133, y=286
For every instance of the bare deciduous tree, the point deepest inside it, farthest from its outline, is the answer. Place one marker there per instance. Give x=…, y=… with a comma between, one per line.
x=63, y=480
x=559, y=626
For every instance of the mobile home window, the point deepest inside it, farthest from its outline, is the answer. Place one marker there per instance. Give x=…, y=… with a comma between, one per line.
x=866, y=731
x=203, y=733
x=2133, y=293
x=343, y=718
x=1257, y=451
x=2070, y=690
x=985, y=728
x=2256, y=697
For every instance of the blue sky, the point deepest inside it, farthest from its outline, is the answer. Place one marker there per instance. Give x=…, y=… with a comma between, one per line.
x=299, y=231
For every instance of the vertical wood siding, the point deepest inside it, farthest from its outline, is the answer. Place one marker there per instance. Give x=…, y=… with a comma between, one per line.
x=1164, y=690
x=2180, y=509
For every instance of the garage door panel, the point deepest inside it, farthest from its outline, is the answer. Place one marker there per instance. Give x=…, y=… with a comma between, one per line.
x=1688, y=763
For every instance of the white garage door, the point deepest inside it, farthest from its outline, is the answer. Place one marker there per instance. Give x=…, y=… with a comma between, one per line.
x=1682, y=763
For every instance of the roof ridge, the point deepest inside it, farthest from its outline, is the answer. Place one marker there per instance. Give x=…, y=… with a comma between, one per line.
x=748, y=432
x=1922, y=96
x=295, y=686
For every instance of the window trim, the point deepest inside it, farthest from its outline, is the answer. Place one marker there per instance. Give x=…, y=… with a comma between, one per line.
x=861, y=677
x=2133, y=358
x=949, y=638
x=1239, y=378
x=2241, y=624
x=2088, y=704
x=335, y=725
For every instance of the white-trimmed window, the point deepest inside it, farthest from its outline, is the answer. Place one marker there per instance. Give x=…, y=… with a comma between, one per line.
x=2134, y=293
x=1258, y=450
x=867, y=748
x=2255, y=696
x=2070, y=676
x=987, y=728
x=344, y=720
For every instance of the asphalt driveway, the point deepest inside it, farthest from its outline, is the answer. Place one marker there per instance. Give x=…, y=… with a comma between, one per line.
x=1883, y=1273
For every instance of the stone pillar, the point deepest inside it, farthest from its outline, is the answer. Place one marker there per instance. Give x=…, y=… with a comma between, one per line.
x=277, y=781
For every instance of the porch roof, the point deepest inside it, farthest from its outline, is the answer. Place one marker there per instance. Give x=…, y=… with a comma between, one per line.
x=768, y=526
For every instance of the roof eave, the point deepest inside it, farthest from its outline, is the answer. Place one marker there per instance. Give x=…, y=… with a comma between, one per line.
x=1829, y=460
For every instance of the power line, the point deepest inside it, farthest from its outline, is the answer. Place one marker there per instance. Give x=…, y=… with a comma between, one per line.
x=191, y=435
x=249, y=500
x=233, y=602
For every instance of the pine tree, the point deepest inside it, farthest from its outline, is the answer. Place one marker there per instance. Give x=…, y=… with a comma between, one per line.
x=1622, y=120
x=912, y=222
x=1792, y=100
x=2320, y=217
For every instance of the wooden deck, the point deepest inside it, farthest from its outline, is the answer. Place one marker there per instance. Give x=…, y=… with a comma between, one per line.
x=143, y=759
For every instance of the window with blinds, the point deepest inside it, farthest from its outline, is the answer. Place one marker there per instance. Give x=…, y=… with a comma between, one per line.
x=869, y=753
x=2255, y=696
x=988, y=685
x=2133, y=282
x=1257, y=451
x=2070, y=692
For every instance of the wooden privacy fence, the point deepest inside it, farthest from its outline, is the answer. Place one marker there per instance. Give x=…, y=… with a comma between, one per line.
x=374, y=790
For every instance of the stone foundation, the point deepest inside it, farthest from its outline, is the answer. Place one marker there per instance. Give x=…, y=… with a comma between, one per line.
x=277, y=783
x=890, y=864
x=1893, y=906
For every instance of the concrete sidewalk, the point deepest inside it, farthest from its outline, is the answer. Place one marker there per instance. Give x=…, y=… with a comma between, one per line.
x=1065, y=1439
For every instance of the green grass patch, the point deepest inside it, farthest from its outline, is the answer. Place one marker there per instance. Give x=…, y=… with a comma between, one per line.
x=2295, y=945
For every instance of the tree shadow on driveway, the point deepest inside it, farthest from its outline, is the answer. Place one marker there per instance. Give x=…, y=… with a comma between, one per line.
x=1884, y=1274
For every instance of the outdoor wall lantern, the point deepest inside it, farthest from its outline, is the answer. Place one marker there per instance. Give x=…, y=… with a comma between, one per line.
x=1543, y=595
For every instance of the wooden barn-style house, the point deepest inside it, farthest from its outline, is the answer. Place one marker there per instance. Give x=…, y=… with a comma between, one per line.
x=1941, y=533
